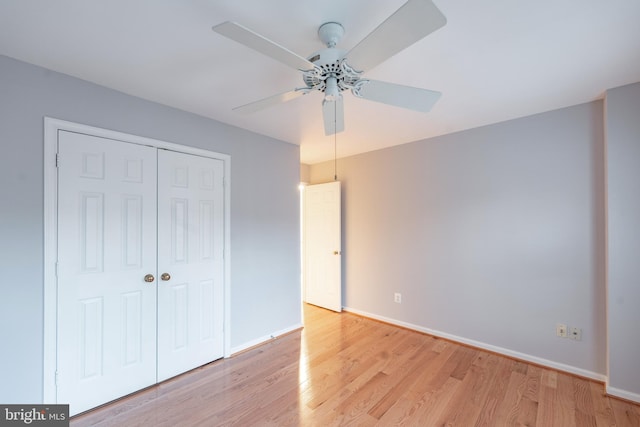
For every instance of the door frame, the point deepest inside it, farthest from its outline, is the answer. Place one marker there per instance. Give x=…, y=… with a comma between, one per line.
x=52, y=127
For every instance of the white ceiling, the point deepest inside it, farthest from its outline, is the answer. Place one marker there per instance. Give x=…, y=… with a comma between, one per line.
x=493, y=61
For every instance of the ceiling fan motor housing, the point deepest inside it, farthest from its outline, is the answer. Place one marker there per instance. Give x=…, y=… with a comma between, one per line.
x=329, y=62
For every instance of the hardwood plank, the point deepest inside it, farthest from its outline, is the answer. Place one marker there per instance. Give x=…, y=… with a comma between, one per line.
x=585, y=412
x=404, y=378
x=565, y=414
x=549, y=378
x=547, y=403
x=343, y=369
x=436, y=403
x=470, y=394
x=496, y=391
x=428, y=388
x=528, y=411
x=357, y=363
x=532, y=386
x=435, y=373
x=601, y=406
x=626, y=414
x=508, y=408
x=467, y=356
x=401, y=412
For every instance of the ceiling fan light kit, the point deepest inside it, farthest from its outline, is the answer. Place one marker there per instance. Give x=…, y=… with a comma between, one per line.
x=333, y=71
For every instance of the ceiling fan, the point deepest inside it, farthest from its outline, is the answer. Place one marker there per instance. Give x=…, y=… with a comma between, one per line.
x=332, y=70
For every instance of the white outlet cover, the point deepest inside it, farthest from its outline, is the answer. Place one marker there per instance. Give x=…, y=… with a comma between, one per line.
x=561, y=330
x=575, y=334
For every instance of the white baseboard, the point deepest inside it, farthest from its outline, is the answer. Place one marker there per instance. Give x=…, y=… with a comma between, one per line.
x=265, y=338
x=492, y=348
x=623, y=394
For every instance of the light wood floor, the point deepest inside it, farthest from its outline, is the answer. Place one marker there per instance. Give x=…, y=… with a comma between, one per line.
x=342, y=369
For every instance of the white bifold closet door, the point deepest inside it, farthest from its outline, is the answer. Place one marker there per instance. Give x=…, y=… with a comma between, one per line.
x=140, y=271
x=190, y=243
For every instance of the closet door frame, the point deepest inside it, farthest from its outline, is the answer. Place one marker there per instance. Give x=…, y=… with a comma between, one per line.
x=51, y=128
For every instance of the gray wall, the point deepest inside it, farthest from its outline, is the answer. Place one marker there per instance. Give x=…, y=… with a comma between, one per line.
x=623, y=216
x=492, y=235
x=265, y=270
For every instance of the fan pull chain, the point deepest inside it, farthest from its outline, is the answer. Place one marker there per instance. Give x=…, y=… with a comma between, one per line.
x=335, y=141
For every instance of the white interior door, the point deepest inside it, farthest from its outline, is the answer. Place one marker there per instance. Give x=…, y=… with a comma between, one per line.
x=190, y=262
x=322, y=245
x=106, y=327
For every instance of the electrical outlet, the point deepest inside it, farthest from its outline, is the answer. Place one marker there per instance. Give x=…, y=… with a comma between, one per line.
x=561, y=330
x=397, y=298
x=575, y=334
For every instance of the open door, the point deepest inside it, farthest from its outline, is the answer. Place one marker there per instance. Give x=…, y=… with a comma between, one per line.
x=322, y=251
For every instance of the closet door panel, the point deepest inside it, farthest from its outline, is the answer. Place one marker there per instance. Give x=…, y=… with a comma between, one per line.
x=190, y=262
x=106, y=331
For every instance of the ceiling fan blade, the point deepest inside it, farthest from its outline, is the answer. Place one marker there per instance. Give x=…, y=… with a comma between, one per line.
x=333, y=115
x=271, y=100
x=412, y=98
x=412, y=22
x=261, y=44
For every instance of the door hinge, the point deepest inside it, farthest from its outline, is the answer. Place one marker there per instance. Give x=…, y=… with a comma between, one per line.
x=55, y=378
x=57, y=267
x=57, y=160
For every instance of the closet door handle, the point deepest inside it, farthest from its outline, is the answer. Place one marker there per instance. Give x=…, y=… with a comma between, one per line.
x=149, y=278
x=165, y=276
